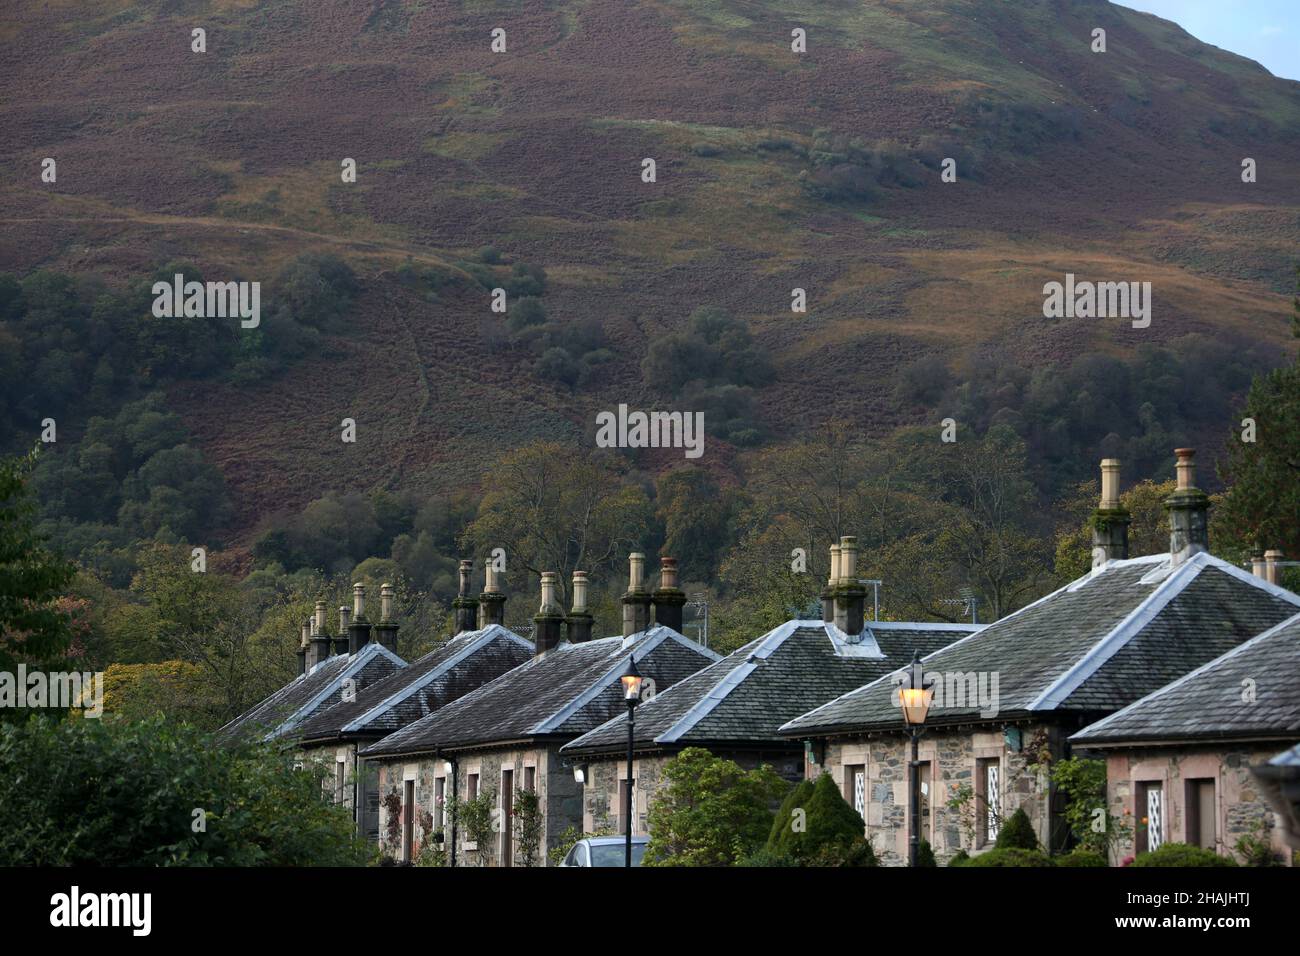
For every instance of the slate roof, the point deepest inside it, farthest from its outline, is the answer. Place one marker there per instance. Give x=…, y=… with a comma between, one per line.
x=1208, y=704
x=283, y=713
x=746, y=696
x=1095, y=645
x=563, y=693
x=448, y=672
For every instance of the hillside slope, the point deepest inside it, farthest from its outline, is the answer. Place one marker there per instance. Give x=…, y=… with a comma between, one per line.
x=775, y=170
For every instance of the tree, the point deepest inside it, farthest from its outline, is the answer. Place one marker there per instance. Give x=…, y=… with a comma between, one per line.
x=1262, y=506
x=823, y=830
x=695, y=513
x=1017, y=833
x=113, y=793
x=555, y=508
x=1148, y=531
x=711, y=813
x=33, y=629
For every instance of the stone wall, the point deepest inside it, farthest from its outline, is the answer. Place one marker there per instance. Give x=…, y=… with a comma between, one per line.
x=953, y=757
x=1241, y=810
x=605, y=775
x=558, y=794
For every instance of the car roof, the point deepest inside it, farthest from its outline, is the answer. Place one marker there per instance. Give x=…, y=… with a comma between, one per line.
x=619, y=840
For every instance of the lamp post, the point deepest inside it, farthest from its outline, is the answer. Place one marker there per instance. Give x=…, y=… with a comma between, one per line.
x=914, y=698
x=632, y=694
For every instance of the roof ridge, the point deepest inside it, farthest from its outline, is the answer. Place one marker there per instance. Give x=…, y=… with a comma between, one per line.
x=1208, y=665
x=486, y=636
x=592, y=690
x=1132, y=624
x=767, y=645
x=1179, y=579
x=358, y=660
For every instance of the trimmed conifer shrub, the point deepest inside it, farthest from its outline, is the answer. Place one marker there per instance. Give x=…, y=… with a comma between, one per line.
x=925, y=854
x=1017, y=833
x=827, y=833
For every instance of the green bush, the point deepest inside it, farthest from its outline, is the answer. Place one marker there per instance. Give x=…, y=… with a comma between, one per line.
x=765, y=857
x=1010, y=856
x=925, y=855
x=111, y=793
x=1180, y=854
x=831, y=830
x=960, y=858
x=711, y=811
x=1080, y=856
x=1017, y=833
x=781, y=825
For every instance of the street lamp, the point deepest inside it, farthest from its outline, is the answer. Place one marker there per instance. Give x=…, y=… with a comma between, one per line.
x=914, y=697
x=632, y=694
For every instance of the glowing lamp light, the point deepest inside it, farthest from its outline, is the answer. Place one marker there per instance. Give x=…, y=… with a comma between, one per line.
x=632, y=680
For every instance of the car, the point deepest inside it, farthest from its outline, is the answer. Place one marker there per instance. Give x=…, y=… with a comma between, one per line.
x=606, y=851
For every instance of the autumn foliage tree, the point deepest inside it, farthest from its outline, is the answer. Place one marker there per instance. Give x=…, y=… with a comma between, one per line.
x=34, y=629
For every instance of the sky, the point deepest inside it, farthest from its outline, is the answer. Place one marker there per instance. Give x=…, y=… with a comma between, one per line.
x=1266, y=31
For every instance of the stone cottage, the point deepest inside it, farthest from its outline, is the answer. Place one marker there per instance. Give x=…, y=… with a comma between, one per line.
x=1007, y=699
x=734, y=708
x=506, y=736
x=330, y=669
x=1181, y=762
x=472, y=657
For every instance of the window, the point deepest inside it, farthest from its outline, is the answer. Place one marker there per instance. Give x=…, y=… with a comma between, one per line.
x=408, y=821
x=471, y=786
x=625, y=805
x=340, y=780
x=1202, y=819
x=855, y=788
x=988, y=800
x=1150, y=811
x=530, y=779
x=440, y=803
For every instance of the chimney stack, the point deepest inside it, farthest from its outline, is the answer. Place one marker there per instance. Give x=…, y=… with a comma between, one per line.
x=1271, y=559
x=1189, y=511
x=636, y=602
x=386, y=629
x=318, y=648
x=549, y=617
x=1110, y=521
x=342, y=643
x=359, y=629
x=491, y=603
x=304, y=641
x=319, y=623
x=578, y=620
x=669, y=599
x=1257, y=567
x=828, y=593
x=850, y=596
x=464, y=607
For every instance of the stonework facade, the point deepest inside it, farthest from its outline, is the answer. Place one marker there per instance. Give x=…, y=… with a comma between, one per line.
x=340, y=770
x=539, y=769
x=602, y=808
x=873, y=776
x=1198, y=795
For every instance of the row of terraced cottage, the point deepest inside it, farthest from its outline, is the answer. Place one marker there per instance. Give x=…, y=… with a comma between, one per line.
x=1178, y=668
